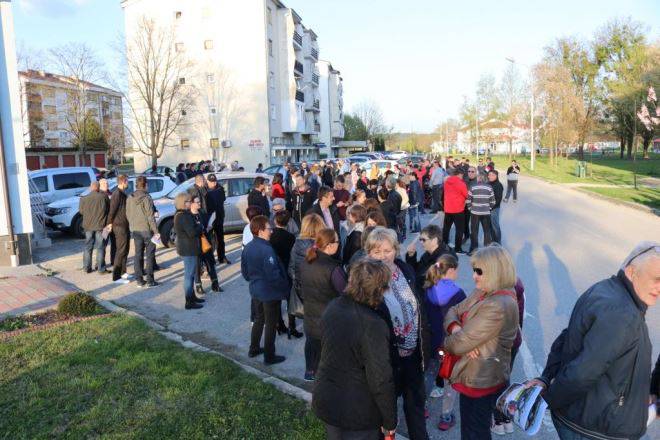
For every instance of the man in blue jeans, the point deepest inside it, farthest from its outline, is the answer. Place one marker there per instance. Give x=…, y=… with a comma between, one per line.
x=94, y=211
x=141, y=220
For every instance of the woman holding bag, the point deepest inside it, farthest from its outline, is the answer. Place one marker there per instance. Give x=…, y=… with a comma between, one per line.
x=206, y=249
x=481, y=331
x=188, y=246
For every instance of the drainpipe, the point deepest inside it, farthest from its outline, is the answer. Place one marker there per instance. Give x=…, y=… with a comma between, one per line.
x=6, y=202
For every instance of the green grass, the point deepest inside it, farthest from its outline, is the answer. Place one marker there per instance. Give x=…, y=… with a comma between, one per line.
x=114, y=377
x=601, y=171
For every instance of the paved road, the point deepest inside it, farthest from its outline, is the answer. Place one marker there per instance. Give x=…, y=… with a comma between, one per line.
x=562, y=241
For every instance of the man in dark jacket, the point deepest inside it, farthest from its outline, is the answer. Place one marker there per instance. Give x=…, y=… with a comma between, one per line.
x=269, y=285
x=199, y=190
x=257, y=196
x=302, y=199
x=94, y=211
x=142, y=222
x=118, y=223
x=597, y=376
x=498, y=191
x=392, y=208
x=215, y=203
x=326, y=208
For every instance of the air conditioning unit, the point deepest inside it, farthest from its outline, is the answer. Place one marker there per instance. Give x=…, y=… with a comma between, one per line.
x=226, y=144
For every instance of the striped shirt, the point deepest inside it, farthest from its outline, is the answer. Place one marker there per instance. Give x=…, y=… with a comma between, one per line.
x=481, y=199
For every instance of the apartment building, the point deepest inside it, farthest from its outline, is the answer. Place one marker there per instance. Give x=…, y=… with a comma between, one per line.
x=332, y=109
x=50, y=133
x=494, y=136
x=256, y=76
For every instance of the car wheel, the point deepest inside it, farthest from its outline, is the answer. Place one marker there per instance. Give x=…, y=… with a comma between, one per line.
x=167, y=233
x=76, y=227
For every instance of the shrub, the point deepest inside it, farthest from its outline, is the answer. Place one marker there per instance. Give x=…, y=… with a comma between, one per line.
x=12, y=323
x=78, y=304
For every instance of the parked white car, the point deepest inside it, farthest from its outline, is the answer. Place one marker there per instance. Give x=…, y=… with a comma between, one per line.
x=53, y=184
x=382, y=166
x=64, y=214
x=237, y=185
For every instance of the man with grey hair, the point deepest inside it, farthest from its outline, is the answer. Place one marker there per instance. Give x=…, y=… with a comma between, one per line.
x=278, y=205
x=597, y=377
x=94, y=211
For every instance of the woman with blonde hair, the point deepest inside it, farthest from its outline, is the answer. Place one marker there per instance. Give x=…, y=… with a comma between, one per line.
x=322, y=279
x=481, y=331
x=311, y=225
x=403, y=310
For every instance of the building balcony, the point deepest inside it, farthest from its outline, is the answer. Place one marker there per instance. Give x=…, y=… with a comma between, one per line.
x=300, y=96
x=298, y=67
x=315, y=54
x=317, y=128
x=314, y=106
x=297, y=41
x=315, y=79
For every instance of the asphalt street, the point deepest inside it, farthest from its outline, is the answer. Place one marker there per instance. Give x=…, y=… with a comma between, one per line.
x=562, y=241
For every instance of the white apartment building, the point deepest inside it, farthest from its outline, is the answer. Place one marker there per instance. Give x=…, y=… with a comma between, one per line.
x=257, y=79
x=332, y=109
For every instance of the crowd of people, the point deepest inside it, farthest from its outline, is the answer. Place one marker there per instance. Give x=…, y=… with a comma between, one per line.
x=325, y=241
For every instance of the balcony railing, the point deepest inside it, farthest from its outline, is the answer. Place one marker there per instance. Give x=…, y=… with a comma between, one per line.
x=297, y=39
x=315, y=54
x=315, y=79
x=316, y=104
x=300, y=96
x=298, y=67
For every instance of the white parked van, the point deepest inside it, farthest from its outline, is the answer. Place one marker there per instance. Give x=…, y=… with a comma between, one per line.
x=53, y=184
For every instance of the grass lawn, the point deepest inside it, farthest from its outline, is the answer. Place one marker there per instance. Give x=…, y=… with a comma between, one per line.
x=115, y=377
x=600, y=170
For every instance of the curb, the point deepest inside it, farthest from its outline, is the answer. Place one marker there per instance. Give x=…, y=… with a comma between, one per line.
x=278, y=383
x=633, y=205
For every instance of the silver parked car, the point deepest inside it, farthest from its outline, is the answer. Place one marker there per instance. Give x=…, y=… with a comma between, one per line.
x=237, y=185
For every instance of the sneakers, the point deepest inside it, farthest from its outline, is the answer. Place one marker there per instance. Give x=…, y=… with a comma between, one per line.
x=121, y=281
x=497, y=429
x=148, y=284
x=446, y=423
x=275, y=360
x=309, y=376
x=436, y=392
x=127, y=276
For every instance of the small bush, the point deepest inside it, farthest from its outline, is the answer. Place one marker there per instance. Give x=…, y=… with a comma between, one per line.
x=12, y=323
x=78, y=304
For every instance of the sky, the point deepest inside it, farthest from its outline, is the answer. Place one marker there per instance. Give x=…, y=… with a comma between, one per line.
x=416, y=59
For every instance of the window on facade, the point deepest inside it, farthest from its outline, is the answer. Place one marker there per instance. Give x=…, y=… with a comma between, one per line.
x=210, y=78
x=270, y=47
x=182, y=80
x=214, y=143
x=178, y=47
x=53, y=142
x=208, y=44
x=183, y=112
x=213, y=110
x=71, y=180
x=185, y=144
x=49, y=92
x=177, y=14
x=117, y=100
x=271, y=79
x=50, y=109
x=273, y=112
x=93, y=97
x=52, y=125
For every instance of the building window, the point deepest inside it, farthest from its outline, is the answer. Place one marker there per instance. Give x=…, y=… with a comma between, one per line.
x=210, y=78
x=271, y=79
x=273, y=112
x=183, y=112
x=49, y=109
x=182, y=80
x=208, y=44
x=214, y=143
x=49, y=92
x=270, y=47
x=54, y=142
x=177, y=15
x=269, y=15
x=178, y=47
x=185, y=144
x=213, y=110
x=52, y=125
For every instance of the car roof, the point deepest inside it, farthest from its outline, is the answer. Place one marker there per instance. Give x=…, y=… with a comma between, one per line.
x=59, y=170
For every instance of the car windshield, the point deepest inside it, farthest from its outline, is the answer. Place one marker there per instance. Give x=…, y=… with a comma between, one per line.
x=180, y=189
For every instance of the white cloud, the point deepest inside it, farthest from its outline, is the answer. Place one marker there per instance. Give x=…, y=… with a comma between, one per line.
x=51, y=8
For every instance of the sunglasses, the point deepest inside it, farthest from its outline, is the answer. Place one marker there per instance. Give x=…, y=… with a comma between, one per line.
x=478, y=271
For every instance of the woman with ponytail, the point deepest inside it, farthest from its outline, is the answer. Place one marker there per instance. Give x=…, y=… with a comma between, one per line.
x=322, y=279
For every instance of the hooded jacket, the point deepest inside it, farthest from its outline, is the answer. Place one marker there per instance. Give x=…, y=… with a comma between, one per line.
x=301, y=201
x=456, y=193
x=440, y=298
x=140, y=212
x=262, y=268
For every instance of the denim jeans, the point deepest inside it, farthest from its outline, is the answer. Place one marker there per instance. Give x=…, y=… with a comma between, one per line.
x=94, y=240
x=413, y=216
x=495, y=230
x=145, y=252
x=189, y=272
x=511, y=185
x=437, y=198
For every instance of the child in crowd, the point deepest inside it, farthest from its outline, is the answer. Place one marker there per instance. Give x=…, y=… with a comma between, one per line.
x=442, y=293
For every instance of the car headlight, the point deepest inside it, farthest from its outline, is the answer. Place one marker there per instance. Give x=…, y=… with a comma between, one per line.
x=57, y=211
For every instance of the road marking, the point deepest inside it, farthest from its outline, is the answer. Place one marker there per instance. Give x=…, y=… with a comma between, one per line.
x=533, y=370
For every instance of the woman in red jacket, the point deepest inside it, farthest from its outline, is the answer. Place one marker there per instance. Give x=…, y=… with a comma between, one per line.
x=277, y=191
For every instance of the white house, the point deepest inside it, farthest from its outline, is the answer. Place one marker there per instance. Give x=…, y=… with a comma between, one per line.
x=494, y=136
x=257, y=77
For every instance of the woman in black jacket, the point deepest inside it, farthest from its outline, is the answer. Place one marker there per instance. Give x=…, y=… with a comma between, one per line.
x=205, y=258
x=357, y=214
x=403, y=311
x=322, y=279
x=188, y=233
x=355, y=386
x=431, y=241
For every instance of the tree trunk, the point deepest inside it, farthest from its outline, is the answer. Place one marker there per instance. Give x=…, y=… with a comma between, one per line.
x=622, y=144
x=154, y=158
x=645, y=146
x=581, y=150
x=629, y=146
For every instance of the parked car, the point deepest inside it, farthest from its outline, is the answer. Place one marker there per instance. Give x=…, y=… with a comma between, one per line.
x=382, y=164
x=52, y=184
x=368, y=155
x=237, y=185
x=160, y=169
x=395, y=155
x=64, y=215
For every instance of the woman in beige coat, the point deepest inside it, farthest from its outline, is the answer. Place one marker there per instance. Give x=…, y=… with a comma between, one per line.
x=481, y=330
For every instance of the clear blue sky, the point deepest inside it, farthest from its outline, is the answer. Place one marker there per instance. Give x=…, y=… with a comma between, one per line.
x=416, y=58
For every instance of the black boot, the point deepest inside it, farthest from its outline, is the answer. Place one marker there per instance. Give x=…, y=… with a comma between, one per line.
x=198, y=300
x=215, y=286
x=191, y=304
x=281, y=328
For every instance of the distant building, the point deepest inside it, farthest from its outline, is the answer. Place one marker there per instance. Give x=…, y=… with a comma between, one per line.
x=49, y=135
x=269, y=58
x=494, y=136
x=332, y=109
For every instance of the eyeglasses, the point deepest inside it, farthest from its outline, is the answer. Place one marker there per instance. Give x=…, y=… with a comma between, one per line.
x=471, y=172
x=478, y=271
x=657, y=249
x=422, y=239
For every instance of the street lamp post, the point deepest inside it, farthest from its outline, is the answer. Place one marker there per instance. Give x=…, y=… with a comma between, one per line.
x=531, y=113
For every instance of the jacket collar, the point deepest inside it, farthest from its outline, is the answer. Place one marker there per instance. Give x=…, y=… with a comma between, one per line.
x=621, y=275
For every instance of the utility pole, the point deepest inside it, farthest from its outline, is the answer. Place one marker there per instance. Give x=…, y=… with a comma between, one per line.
x=477, y=136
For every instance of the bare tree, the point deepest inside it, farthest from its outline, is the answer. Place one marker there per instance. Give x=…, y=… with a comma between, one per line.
x=512, y=100
x=371, y=116
x=78, y=63
x=158, y=98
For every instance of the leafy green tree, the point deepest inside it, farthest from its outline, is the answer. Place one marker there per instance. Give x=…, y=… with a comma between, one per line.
x=354, y=128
